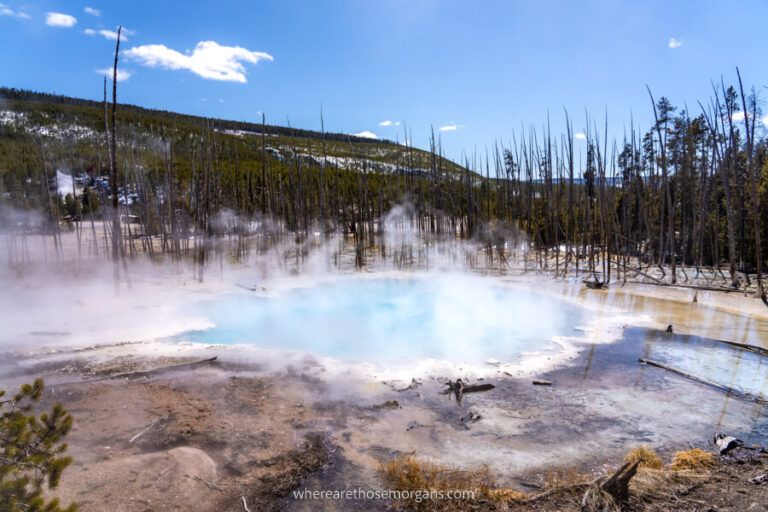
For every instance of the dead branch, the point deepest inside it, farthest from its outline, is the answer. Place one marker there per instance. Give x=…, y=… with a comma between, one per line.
x=209, y=484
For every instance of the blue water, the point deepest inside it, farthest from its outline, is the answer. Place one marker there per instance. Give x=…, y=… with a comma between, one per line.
x=453, y=318
x=715, y=361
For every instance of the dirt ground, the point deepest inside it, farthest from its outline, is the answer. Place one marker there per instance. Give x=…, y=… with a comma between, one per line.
x=228, y=435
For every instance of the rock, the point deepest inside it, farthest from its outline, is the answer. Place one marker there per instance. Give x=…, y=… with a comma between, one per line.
x=727, y=443
x=389, y=404
x=472, y=417
x=413, y=385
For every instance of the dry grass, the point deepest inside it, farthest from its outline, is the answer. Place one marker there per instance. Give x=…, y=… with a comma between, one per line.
x=656, y=483
x=692, y=460
x=653, y=482
x=564, y=477
x=409, y=474
x=645, y=456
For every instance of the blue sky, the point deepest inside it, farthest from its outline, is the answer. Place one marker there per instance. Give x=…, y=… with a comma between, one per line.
x=478, y=69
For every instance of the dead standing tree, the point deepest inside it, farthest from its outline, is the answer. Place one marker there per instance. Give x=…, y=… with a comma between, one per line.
x=665, y=180
x=753, y=175
x=113, y=174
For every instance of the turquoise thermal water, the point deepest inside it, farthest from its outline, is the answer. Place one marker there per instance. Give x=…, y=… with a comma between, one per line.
x=459, y=319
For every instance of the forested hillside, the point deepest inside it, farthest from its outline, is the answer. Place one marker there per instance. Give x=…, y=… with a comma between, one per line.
x=690, y=191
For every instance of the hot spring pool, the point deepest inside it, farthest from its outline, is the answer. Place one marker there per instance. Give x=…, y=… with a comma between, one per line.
x=459, y=319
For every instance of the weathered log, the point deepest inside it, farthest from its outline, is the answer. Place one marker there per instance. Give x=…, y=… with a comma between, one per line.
x=745, y=346
x=721, y=387
x=460, y=387
x=161, y=370
x=473, y=388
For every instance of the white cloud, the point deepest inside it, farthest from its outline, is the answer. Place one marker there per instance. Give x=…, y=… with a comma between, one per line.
x=7, y=11
x=452, y=127
x=209, y=59
x=109, y=34
x=674, y=43
x=387, y=122
x=92, y=11
x=57, y=19
x=366, y=135
x=580, y=136
x=738, y=117
x=122, y=74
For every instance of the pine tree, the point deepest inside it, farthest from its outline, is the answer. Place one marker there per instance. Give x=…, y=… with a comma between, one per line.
x=31, y=451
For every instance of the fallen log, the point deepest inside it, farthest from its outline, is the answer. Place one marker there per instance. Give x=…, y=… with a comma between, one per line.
x=637, y=272
x=746, y=346
x=721, y=387
x=161, y=370
x=542, y=382
x=460, y=387
x=473, y=388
